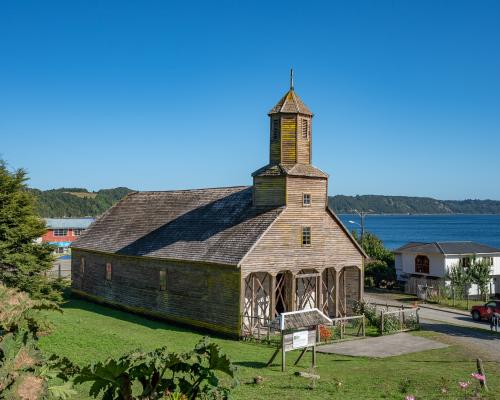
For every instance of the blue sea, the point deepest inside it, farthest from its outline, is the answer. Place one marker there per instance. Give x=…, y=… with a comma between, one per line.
x=396, y=230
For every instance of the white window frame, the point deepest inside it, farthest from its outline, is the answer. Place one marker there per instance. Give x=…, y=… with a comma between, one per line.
x=60, y=232
x=304, y=196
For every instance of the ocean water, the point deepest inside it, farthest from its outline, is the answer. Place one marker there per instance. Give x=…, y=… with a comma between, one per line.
x=396, y=230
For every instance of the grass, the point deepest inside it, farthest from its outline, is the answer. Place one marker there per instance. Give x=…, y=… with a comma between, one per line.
x=88, y=332
x=458, y=304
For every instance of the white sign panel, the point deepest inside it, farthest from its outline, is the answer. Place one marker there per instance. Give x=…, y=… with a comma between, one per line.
x=300, y=339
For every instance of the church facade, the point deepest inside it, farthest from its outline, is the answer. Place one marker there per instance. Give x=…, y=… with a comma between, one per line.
x=229, y=259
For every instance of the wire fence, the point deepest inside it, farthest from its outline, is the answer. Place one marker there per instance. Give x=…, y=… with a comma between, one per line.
x=343, y=328
x=401, y=320
x=59, y=271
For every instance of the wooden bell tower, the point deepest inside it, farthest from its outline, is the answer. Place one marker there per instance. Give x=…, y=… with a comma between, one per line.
x=290, y=130
x=290, y=144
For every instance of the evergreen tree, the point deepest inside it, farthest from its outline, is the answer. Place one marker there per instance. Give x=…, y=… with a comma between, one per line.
x=23, y=261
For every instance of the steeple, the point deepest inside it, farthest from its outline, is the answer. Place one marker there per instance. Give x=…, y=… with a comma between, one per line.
x=290, y=130
x=290, y=138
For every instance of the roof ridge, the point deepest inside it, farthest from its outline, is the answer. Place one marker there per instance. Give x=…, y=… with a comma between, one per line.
x=192, y=190
x=439, y=247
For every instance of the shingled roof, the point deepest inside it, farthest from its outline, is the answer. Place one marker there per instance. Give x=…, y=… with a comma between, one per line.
x=306, y=170
x=205, y=225
x=290, y=103
x=447, y=248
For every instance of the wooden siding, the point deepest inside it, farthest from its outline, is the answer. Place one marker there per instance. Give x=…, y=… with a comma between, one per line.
x=304, y=144
x=280, y=247
x=316, y=187
x=289, y=139
x=269, y=191
x=275, y=144
x=203, y=295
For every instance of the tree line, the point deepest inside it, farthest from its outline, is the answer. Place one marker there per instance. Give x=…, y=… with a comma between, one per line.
x=76, y=202
x=380, y=204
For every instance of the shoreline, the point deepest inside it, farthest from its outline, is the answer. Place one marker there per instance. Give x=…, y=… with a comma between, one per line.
x=419, y=214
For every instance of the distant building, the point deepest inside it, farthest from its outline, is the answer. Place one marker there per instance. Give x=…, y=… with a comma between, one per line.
x=428, y=263
x=61, y=232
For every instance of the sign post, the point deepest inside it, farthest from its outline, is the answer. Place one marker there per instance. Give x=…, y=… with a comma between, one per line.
x=299, y=331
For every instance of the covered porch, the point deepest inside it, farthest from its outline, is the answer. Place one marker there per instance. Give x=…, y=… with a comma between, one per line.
x=265, y=295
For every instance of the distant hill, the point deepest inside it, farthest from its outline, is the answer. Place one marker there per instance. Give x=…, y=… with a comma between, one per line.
x=76, y=202
x=79, y=202
x=411, y=205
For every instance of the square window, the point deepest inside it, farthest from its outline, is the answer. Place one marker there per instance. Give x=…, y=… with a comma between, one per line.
x=163, y=280
x=109, y=271
x=306, y=199
x=60, y=232
x=306, y=236
x=77, y=232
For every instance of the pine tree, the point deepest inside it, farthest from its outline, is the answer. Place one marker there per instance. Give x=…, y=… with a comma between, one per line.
x=23, y=261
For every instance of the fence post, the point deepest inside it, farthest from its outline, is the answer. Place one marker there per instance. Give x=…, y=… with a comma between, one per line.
x=364, y=327
x=382, y=322
x=418, y=318
x=59, y=271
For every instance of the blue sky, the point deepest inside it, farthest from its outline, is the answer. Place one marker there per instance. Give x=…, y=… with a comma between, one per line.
x=158, y=95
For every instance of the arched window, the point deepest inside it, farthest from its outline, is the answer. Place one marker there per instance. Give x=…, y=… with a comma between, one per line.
x=422, y=264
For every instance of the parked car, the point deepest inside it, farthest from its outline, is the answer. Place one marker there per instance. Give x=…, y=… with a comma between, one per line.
x=485, y=311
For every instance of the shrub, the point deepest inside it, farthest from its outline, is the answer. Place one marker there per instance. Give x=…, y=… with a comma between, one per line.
x=382, y=274
x=160, y=374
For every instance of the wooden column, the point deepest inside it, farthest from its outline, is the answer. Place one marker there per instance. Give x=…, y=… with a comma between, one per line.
x=336, y=293
x=293, y=295
x=361, y=281
x=252, y=302
x=319, y=291
x=242, y=304
x=345, y=294
x=272, y=297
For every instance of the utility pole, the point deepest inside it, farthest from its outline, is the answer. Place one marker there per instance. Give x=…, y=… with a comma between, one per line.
x=362, y=215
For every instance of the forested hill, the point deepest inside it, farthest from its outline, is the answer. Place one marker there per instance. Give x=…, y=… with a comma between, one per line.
x=76, y=202
x=411, y=205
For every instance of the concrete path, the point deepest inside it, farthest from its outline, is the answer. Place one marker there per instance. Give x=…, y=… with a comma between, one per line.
x=455, y=325
x=383, y=346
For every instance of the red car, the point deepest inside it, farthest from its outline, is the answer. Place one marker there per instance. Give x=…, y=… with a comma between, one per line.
x=486, y=311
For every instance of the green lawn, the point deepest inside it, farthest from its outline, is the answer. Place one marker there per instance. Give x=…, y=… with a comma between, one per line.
x=88, y=332
x=459, y=304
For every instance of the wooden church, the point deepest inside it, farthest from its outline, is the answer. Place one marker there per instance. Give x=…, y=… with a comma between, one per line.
x=228, y=259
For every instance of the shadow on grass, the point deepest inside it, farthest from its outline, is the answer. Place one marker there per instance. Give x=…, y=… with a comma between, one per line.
x=251, y=364
x=151, y=322
x=460, y=331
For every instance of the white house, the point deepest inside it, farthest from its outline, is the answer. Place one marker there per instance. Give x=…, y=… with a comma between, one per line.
x=429, y=262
